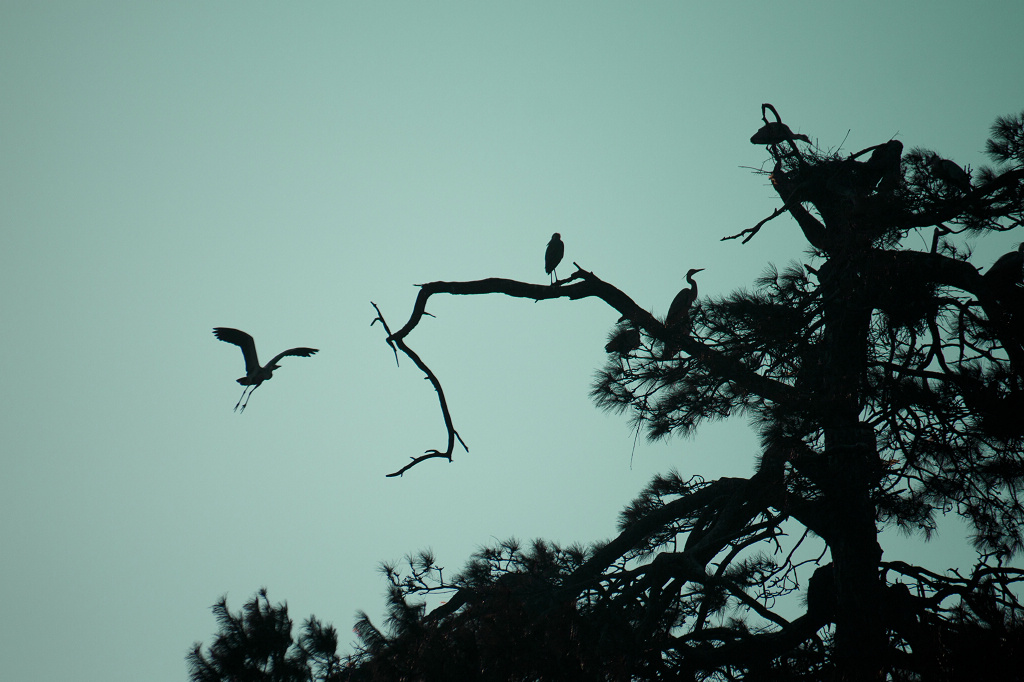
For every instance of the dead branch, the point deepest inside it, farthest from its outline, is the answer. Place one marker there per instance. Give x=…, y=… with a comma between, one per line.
x=581, y=284
x=399, y=343
x=751, y=231
x=590, y=285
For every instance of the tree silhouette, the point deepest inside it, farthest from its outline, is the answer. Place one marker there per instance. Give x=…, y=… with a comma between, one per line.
x=256, y=645
x=886, y=384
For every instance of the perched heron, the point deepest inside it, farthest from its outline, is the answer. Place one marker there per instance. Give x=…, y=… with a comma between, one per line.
x=623, y=340
x=553, y=255
x=1008, y=270
x=776, y=133
x=254, y=373
x=950, y=173
x=679, y=311
x=883, y=166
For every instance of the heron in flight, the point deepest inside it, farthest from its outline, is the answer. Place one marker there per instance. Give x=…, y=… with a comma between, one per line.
x=553, y=255
x=254, y=373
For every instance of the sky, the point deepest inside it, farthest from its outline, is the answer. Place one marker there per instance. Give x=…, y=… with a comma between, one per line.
x=166, y=168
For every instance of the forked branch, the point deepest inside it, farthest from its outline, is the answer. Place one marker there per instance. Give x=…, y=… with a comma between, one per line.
x=399, y=344
x=581, y=284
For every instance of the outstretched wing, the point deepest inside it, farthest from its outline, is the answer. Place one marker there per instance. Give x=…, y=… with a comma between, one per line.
x=243, y=341
x=301, y=352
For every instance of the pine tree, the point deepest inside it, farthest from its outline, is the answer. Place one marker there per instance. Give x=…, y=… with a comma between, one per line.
x=256, y=645
x=887, y=385
x=886, y=382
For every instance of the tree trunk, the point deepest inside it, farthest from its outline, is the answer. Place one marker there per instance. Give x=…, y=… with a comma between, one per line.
x=852, y=465
x=860, y=641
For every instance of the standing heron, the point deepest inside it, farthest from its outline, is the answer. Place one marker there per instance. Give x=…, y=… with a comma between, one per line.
x=679, y=311
x=553, y=255
x=254, y=373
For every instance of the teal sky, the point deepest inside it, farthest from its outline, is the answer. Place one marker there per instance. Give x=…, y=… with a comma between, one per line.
x=170, y=167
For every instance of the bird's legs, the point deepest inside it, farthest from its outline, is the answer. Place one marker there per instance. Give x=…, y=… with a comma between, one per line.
x=554, y=276
x=240, y=399
x=251, y=389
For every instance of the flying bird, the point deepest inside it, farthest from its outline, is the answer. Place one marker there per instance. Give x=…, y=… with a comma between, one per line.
x=950, y=173
x=679, y=311
x=553, y=255
x=776, y=133
x=254, y=373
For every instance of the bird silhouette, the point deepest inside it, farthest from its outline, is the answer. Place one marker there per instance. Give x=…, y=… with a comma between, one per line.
x=883, y=166
x=950, y=173
x=679, y=311
x=623, y=340
x=254, y=373
x=776, y=133
x=678, y=318
x=553, y=255
x=1008, y=270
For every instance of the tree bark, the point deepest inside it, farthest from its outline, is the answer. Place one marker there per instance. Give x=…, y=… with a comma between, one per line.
x=852, y=469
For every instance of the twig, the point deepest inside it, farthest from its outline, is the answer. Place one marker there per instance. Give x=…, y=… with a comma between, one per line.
x=751, y=231
x=380, y=318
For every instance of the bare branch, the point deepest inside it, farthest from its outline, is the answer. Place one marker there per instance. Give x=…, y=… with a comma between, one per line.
x=380, y=318
x=399, y=342
x=589, y=285
x=581, y=284
x=751, y=231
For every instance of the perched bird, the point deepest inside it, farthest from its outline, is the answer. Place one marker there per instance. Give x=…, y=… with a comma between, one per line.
x=254, y=373
x=553, y=255
x=883, y=166
x=1008, y=270
x=678, y=318
x=679, y=311
x=776, y=133
x=623, y=340
x=950, y=173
